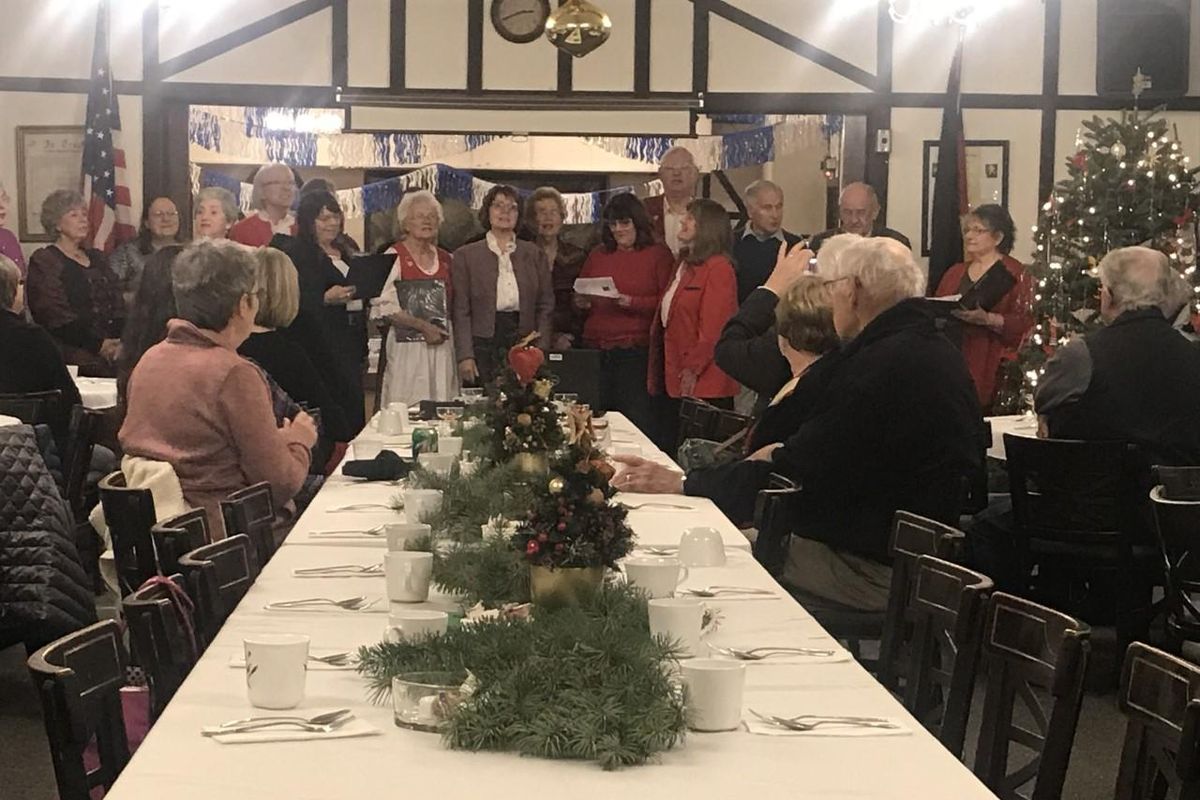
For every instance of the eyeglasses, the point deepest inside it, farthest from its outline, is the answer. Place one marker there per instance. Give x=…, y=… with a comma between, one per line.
x=424, y=218
x=164, y=215
x=503, y=207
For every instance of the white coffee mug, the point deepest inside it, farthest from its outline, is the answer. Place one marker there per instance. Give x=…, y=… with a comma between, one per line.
x=420, y=502
x=713, y=693
x=450, y=445
x=438, y=463
x=657, y=576
x=702, y=547
x=411, y=623
x=399, y=534
x=366, y=448
x=408, y=574
x=276, y=666
x=679, y=619
x=392, y=421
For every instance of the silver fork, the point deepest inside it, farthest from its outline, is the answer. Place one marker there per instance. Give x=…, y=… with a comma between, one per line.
x=350, y=603
x=353, y=569
x=814, y=722
x=359, y=507
x=653, y=504
x=759, y=653
x=714, y=591
x=376, y=531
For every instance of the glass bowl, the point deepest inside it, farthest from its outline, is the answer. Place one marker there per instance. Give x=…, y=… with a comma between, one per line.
x=426, y=701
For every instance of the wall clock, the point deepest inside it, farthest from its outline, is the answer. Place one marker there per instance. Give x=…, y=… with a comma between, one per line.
x=520, y=21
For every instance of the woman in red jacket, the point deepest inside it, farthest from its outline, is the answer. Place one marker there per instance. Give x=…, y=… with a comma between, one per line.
x=619, y=327
x=989, y=336
x=700, y=299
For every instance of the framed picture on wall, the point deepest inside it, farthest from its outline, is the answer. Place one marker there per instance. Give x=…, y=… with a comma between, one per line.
x=987, y=179
x=49, y=157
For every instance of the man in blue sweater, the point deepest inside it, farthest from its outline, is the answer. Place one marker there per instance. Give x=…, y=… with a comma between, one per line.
x=757, y=244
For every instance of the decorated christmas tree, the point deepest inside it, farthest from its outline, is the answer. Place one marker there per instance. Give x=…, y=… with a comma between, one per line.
x=521, y=417
x=1128, y=184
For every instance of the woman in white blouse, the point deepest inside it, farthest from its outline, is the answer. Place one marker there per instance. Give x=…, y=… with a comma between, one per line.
x=420, y=353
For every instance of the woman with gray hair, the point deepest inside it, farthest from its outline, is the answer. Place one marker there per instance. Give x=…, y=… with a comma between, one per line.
x=214, y=213
x=420, y=353
x=274, y=191
x=194, y=403
x=72, y=292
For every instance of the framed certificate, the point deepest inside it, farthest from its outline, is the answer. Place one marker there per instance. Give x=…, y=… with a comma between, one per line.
x=49, y=157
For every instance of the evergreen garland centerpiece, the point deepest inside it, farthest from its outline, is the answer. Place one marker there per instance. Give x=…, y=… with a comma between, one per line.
x=1129, y=184
x=521, y=417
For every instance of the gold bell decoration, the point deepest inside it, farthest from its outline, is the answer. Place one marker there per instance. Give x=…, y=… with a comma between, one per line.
x=577, y=27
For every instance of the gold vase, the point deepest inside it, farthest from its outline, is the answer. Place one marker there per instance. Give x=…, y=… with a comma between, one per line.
x=532, y=463
x=563, y=586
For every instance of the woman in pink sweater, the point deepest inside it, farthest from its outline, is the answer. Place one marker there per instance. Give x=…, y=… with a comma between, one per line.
x=196, y=404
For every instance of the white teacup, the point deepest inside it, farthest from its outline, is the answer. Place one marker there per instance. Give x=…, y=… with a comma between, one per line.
x=408, y=573
x=702, y=547
x=399, y=534
x=420, y=502
x=713, y=696
x=276, y=666
x=450, y=446
x=657, y=576
x=438, y=463
x=411, y=623
x=679, y=619
x=392, y=421
x=366, y=448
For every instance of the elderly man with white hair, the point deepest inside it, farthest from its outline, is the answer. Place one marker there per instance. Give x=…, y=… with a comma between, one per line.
x=897, y=427
x=678, y=172
x=274, y=192
x=757, y=244
x=1135, y=380
x=858, y=212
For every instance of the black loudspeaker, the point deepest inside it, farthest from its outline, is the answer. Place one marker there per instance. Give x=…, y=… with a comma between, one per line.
x=1147, y=34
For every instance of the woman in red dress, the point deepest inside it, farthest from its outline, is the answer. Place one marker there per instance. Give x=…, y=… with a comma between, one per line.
x=989, y=337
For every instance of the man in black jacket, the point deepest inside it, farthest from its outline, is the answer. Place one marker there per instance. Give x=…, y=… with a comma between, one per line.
x=756, y=245
x=898, y=428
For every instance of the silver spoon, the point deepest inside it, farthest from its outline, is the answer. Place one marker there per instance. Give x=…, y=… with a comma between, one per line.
x=759, y=653
x=715, y=591
x=376, y=531
x=353, y=569
x=320, y=719
x=814, y=722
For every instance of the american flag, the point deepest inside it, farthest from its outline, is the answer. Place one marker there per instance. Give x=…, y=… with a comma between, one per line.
x=104, y=187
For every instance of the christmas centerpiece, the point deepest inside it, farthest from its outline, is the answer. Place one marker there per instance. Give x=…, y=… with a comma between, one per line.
x=521, y=417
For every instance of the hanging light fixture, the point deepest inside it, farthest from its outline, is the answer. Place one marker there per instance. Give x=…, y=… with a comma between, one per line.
x=577, y=27
x=933, y=12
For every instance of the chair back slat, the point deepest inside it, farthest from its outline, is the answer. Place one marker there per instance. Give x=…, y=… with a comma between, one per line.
x=32, y=408
x=1030, y=649
x=177, y=535
x=729, y=423
x=697, y=420
x=81, y=441
x=159, y=641
x=79, y=678
x=251, y=512
x=947, y=611
x=773, y=520
x=1177, y=525
x=218, y=576
x=130, y=515
x=1160, y=698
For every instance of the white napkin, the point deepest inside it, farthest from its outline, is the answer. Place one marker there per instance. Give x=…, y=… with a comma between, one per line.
x=378, y=605
x=238, y=661
x=757, y=726
x=351, y=730
x=840, y=656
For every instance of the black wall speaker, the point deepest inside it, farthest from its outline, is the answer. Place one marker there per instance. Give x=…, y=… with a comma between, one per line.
x=1150, y=34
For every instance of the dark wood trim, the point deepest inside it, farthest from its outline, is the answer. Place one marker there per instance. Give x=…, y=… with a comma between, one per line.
x=863, y=102
x=743, y=214
x=474, y=46
x=62, y=85
x=339, y=49
x=641, y=47
x=1050, y=73
x=224, y=94
x=877, y=166
x=794, y=43
x=700, y=46
x=239, y=37
x=398, y=24
x=566, y=68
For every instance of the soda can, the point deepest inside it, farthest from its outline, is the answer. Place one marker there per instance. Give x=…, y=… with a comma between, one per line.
x=424, y=440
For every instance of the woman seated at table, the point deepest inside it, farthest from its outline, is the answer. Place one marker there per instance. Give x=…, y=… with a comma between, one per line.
x=699, y=301
x=216, y=211
x=545, y=212
x=420, y=354
x=194, y=403
x=989, y=336
x=72, y=292
x=619, y=327
x=502, y=291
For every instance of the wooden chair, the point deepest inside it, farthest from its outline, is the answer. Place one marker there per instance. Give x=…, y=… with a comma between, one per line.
x=947, y=610
x=251, y=512
x=161, y=642
x=174, y=536
x=1177, y=523
x=1160, y=697
x=217, y=576
x=697, y=419
x=32, y=408
x=1029, y=648
x=773, y=521
x=1078, y=515
x=81, y=442
x=130, y=516
x=730, y=423
x=79, y=678
x=1179, y=483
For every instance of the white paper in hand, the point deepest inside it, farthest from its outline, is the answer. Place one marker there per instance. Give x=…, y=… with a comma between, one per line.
x=596, y=287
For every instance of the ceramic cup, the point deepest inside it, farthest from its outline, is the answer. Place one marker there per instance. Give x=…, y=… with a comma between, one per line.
x=702, y=547
x=678, y=619
x=408, y=574
x=411, y=623
x=399, y=534
x=392, y=421
x=438, y=463
x=420, y=502
x=366, y=449
x=276, y=665
x=450, y=446
x=657, y=576
x=713, y=693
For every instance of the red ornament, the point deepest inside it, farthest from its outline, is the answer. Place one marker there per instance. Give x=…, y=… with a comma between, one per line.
x=525, y=359
x=562, y=526
x=1079, y=160
x=531, y=547
x=1185, y=217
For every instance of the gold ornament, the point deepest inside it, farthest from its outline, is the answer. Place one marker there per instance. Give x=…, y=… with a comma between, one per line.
x=524, y=420
x=542, y=388
x=557, y=485
x=578, y=27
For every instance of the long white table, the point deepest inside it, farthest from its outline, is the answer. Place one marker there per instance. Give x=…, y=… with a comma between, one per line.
x=175, y=759
x=97, y=392
x=1015, y=424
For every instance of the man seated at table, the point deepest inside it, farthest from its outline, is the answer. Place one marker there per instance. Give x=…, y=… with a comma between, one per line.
x=1135, y=380
x=897, y=428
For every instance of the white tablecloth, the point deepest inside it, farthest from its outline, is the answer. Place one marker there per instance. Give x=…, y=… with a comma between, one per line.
x=1015, y=424
x=97, y=392
x=175, y=758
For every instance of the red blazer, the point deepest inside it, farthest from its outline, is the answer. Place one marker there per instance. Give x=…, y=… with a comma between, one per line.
x=656, y=210
x=983, y=349
x=704, y=301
